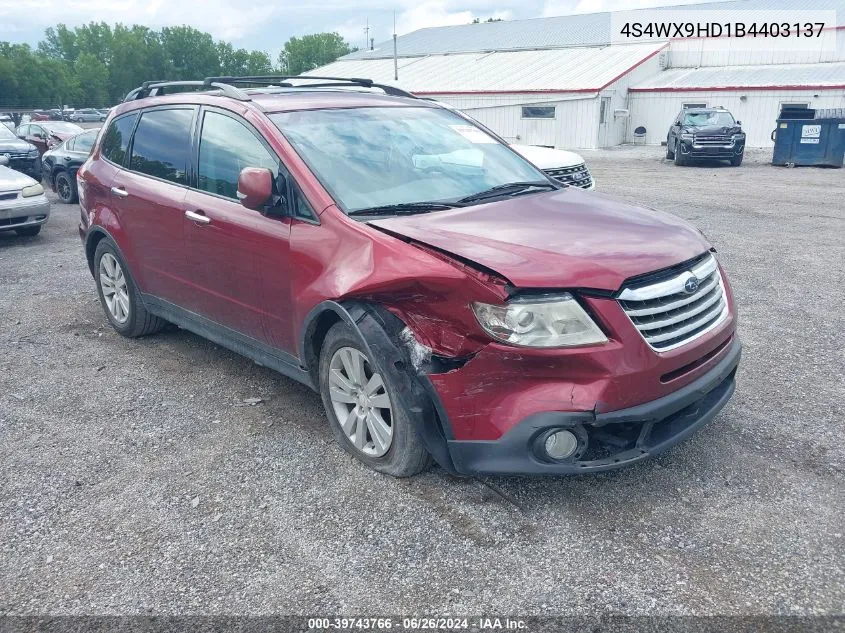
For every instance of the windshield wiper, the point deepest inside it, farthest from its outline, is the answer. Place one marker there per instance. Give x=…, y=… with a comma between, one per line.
x=508, y=189
x=404, y=208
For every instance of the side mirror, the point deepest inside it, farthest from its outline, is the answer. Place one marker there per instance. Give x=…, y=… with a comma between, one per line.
x=739, y=122
x=255, y=187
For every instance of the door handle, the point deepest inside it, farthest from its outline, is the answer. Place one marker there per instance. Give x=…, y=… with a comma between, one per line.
x=120, y=192
x=199, y=218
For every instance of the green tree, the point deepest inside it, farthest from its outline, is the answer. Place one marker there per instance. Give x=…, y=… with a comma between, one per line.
x=305, y=53
x=189, y=53
x=92, y=76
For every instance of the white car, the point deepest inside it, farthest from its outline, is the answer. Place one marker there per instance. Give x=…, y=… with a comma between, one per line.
x=23, y=205
x=564, y=166
x=6, y=120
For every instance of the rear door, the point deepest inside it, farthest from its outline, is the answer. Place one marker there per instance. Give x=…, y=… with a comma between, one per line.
x=236, y=255
x=150, y=190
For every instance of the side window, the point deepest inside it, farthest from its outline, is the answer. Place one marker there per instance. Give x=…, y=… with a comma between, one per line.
x=162, y=144
x=301, y=208
x=226, y=147
x=116, y=139
x=70, y=144
x=84, y=142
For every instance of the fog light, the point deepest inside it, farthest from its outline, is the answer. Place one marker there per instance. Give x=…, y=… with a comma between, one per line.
x=561, y=444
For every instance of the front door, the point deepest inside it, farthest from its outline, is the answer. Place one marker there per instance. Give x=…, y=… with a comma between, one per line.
x=37, y=135
x=236, y=255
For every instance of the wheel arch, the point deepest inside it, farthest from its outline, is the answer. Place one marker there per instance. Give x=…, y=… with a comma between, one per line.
x=381, y=332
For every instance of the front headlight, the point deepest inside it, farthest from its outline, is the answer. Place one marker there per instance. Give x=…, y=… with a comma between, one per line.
x=33, y=154
x=32, y=190
x=557, y=321
x=687, y=136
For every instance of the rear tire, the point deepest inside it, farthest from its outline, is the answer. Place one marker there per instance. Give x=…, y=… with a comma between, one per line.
x=30, y=231
x=119, y=295
x=341, y=391
x=736, y=161
x=66, y=188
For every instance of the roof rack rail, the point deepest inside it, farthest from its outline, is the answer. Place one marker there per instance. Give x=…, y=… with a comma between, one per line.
x=156, y=88
x=326, y=82
x=227, y=85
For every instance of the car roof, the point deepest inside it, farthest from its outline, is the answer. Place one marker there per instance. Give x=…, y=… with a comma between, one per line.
x=270, y=100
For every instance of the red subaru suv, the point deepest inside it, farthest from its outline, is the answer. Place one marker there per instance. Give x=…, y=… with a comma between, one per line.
x=447, y=300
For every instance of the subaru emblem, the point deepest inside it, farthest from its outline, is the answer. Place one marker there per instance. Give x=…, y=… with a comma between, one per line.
x=691, y=284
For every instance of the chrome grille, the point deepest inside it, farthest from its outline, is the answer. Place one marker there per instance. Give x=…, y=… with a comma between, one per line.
x=712, y=140
x=14, y=155
x=576, y=176
x=667, y=315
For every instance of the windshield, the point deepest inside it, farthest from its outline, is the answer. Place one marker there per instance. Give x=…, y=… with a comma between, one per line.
x=6, y=133
x=61, y=127
x=709, y=119
x=375, y=157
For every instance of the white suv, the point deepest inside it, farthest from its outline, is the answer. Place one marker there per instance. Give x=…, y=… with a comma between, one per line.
x=566, y=167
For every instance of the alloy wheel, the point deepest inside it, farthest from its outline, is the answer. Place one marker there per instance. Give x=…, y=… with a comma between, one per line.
x=115, y=289
x=63, y=189
x=360, y=402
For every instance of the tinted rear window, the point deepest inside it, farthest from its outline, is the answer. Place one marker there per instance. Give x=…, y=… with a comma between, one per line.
x=162, y=144
x=116, y=139
x=83, y=142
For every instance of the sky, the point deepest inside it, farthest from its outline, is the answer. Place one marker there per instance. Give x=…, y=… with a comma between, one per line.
x=267, y=24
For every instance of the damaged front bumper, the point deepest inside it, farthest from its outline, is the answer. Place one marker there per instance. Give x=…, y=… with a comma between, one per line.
x=612, y=440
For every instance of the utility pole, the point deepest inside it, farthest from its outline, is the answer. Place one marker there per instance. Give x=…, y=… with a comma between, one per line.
x=395, y=60
x=367, y=34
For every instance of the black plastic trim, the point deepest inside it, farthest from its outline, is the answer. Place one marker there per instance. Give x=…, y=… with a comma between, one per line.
x=261, y=353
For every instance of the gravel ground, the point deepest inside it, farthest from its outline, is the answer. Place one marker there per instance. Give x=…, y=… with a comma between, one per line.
x=135, y=479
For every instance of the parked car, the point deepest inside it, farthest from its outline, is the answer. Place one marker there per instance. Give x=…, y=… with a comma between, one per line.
x=55, y=115
x=564, y=166
x=19, y=154
x=7, y=121
x=59, y=165
x=23, y=206
x=87, y=115
x=444, y=296
x=705, y=133
x=38, y=115
x=47, y=134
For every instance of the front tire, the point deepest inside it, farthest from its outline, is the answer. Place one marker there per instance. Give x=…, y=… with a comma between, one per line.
x=66, y=188
x=670, y=154
x=366, y=419
x=119, y=295
x=736, y=161
x=680, y=159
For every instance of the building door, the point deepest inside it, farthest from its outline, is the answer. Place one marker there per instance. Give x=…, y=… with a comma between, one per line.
x=605, y=122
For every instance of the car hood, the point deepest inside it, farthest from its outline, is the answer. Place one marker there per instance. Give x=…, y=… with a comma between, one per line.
x=548, y=158
x=11, y=180
x=559, y=239
x=713, y=130
x=15, y=145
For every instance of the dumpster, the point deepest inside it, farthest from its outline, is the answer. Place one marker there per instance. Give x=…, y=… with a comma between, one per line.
x=807, y=136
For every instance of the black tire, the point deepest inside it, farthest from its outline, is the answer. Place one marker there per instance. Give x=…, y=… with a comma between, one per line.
x=680, y=159
x=670, y=155
x=736, y=161
x=139, y=322
x=66, y=188
x=30, y=231
x=407, y=456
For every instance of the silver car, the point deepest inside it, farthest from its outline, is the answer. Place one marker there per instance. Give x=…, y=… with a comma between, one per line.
x=23, y=206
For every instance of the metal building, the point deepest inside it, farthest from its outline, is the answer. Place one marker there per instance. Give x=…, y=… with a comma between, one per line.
x=558, y=82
